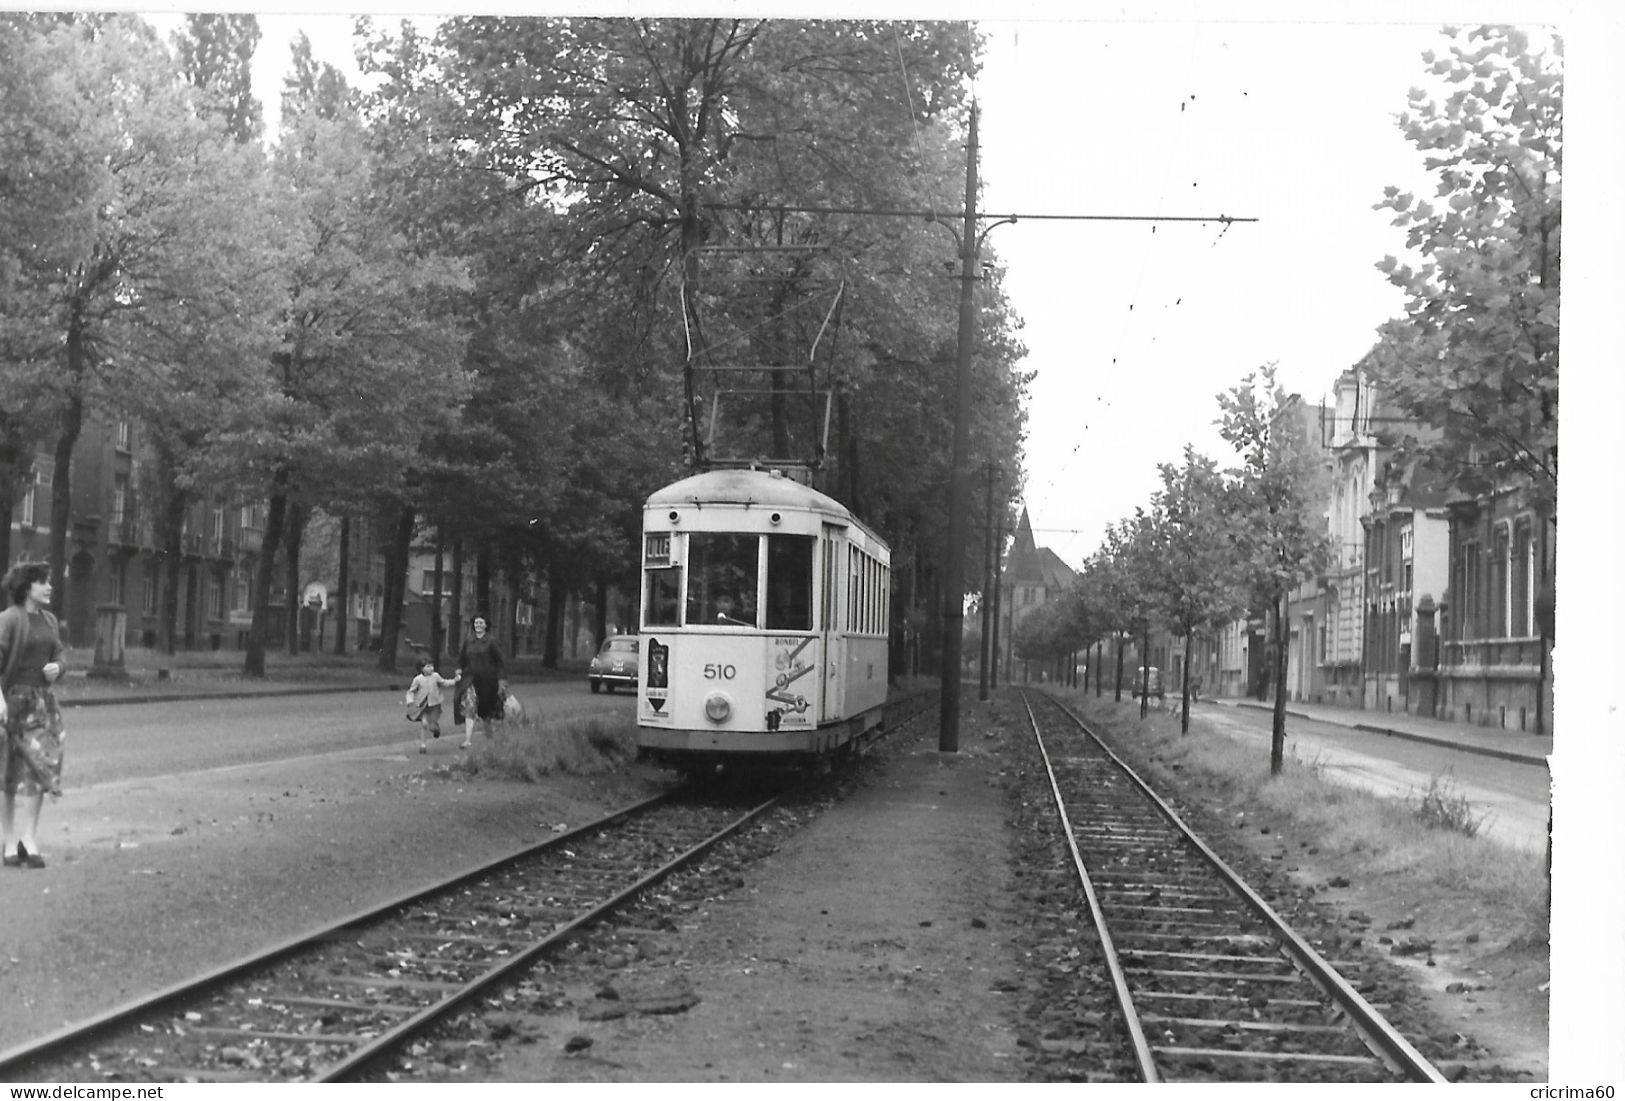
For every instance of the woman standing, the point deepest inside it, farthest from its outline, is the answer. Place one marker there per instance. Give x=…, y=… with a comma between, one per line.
x=30, y=662
x=479, y=669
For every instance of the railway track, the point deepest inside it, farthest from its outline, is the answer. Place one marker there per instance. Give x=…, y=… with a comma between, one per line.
x=1207, y=982
x=347, y=1001
x=332, y=1004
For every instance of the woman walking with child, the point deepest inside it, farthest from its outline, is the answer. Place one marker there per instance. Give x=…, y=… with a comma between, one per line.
x=480, y=685
x=30, y=662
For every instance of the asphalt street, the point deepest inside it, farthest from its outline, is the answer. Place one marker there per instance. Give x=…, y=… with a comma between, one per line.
x=139, y=740
x=1514, y=797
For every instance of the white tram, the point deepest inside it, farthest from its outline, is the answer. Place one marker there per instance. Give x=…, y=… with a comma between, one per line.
x=765, y=617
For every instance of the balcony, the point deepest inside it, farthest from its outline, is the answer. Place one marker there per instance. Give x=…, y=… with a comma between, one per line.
x=1493, y=655
x=124, y=531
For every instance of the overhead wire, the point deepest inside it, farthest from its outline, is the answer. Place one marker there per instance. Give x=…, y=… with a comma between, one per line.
x=913, y=118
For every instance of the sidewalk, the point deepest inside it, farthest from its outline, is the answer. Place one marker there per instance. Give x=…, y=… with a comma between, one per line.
x=1509, y=745
x=151, y=678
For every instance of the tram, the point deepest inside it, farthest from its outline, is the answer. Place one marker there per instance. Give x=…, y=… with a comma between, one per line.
x=765, y=622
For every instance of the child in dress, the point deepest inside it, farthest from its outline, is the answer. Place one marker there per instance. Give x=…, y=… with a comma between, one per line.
x=425, y=695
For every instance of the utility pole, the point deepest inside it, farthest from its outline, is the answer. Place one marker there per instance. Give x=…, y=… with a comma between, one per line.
x=953, y=632
x=953, y=641
x=987, y=582
x=998, y=593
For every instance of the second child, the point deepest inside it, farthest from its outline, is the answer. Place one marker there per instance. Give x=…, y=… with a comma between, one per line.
x=425, y=694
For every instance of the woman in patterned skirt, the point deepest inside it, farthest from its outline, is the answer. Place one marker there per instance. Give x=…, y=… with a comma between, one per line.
x=480, y=686
x=30, y=662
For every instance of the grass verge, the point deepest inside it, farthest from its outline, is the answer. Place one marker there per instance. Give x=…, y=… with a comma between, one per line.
x=1431, y=841
x=531, y=749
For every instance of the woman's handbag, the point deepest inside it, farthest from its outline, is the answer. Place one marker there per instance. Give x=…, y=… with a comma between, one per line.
x=414, y=711
x=512, y=709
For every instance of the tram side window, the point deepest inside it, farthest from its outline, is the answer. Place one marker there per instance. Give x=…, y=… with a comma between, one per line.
x=663, y=598
x=789, y=582
x=722, y=579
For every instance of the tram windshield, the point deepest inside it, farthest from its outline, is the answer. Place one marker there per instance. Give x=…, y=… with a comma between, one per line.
x=789, y=582
x=664, y=598
x=722, y=579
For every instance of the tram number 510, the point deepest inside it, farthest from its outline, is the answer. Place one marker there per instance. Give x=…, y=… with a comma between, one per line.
x=713, y=671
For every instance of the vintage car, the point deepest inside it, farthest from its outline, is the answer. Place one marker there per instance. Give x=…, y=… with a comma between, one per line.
x=1141, y=677
x=616, y=663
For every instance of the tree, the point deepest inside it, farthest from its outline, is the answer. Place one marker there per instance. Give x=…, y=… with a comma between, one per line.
x=1477, y=353
x=155, y=279
x=207, y=380
x=46, y=188
x=215, y=55
x=1279, y=496
x=371, y=331
x=660, y=137
x=1195, y=571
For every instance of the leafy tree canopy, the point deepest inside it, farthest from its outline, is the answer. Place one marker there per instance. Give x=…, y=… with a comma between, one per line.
x=1477, y=352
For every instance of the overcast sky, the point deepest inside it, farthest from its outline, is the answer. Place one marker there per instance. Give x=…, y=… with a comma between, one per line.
x=1132, y=327
x=1138, y=110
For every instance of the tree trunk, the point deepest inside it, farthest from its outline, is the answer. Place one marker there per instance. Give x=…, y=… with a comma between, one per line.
x=1145, y=670
x=169, y=600
x=293, y=536
x=601, y=624
x=1118, y=698
x=513, y=568
x=1185, y=687
x=849, y=456
x=395, y=563
x=482, y=582
x=556, y=596
x=73, y=420
x=1100, y=661
x=454, y=638
x=1278, y=724
x=437, y=627
x=8, y=502
x=341, y=636
x=16, y=465
x=254, y=659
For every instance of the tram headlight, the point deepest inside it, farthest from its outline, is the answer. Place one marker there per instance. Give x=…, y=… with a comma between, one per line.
x=718, y=707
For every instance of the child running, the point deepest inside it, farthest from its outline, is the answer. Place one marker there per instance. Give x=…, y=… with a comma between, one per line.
x=425, y=693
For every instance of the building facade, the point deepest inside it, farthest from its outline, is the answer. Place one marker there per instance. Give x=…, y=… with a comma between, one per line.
x=115, y=558
x=1493, y=666
x=1407, y=553
x=1032, y=577
x=113, y=579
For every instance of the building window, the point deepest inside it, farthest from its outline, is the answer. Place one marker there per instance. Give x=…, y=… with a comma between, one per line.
x=115, y=582
x=149, y=590
x=29, y=493
x=1523, y=580
x=1471, y=595
x=1500, y=592
x=121, y=497
x=242, y=591
x=122, y=436
x=217, y=598
x=217, y=519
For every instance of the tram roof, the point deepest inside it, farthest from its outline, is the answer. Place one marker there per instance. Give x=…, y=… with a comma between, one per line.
x=746, y=487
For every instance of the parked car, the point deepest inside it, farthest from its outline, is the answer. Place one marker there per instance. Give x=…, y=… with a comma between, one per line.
x=616, y=662
x=1142, y=676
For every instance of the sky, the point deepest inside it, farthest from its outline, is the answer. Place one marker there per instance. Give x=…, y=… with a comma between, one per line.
x=1247, y=110
x=1133, y=328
